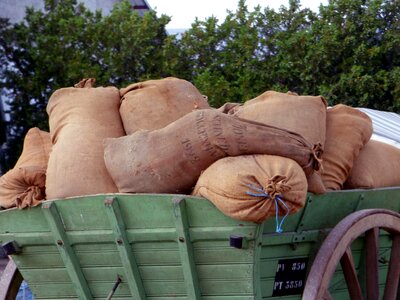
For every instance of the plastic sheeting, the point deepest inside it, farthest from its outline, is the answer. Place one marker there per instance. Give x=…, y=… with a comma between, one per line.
x=386, y=126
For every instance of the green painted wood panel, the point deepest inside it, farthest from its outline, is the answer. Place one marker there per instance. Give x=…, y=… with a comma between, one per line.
x=286, y=250
x=152, y=240
x=64, y=247
x=128, y=260
x=185, y=247
x=334, y=206
x=43, y=260
x=275, y=251
x=224, y=273
x=304, y=239
x=108, y=255
x=55, y=290
x=33, y=222
x=227, y=287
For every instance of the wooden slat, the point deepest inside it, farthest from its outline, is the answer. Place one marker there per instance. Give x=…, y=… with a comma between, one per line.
x=393, y=275
x=350, y=274
x=67, y=254
x=371, y=264
x=3, y=264
x=10, y=281
x=327, y=296
x=132, y=274
x=185, y=248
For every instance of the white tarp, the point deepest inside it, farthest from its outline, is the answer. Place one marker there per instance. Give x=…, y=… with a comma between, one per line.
x=386, y=126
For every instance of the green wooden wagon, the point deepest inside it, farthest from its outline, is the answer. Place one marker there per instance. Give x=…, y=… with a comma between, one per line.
x=341, y=245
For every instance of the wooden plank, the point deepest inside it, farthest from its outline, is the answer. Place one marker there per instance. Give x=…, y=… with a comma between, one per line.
x=185, y=248
x=128, y=260
x=55, y=290
x=58, y=290
x=10, y=281
x=33, y=221
x=303, y=213
x=148, y=273
x=286, y=251
x=341, y=203
x=202, y=213
x=256, y=268
x=350, y=275
x=371, y=257
x=178, y=288
x=393, y=275
x=327, y=296
x=155, y=248
x=67, y=253
x=40, y=260
x=226, y=287
x=138, y=235
x=49, y=276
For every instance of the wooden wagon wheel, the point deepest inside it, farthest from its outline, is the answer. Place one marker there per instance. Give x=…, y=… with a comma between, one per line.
x=336, y=248
x=10, y=282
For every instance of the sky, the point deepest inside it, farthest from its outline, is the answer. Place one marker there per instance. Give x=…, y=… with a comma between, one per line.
x=184, y=12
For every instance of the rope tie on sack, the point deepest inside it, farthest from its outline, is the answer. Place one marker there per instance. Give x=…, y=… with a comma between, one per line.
x=273, y=190
x=315, y=161
x=32, y=196
x=317, y=151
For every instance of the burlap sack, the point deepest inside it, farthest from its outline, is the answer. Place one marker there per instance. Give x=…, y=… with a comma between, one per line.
x=268, y=94
x=154, y=104
x=347, y=131
x=80, y=118
x=170, y=160
x=377, y=165
x=24, y=185
x=305, y=115
x=246, y=187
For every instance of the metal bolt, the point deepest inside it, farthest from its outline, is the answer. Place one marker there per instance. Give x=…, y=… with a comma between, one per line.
x=119, y=241
x=383, y=260
x=181, y=239
x=108, y=201
x=60, y=242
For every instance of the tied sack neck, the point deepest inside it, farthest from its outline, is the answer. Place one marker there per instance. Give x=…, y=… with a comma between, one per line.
x=273, y=190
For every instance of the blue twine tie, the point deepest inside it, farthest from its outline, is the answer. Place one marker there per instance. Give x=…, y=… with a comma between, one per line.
x=278, y=227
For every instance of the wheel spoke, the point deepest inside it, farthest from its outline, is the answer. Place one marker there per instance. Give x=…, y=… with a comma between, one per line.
x=336, y=249
x=371, y=251
x=10, y=281
x=327, y=296
x=350, y=275
x=393, y=275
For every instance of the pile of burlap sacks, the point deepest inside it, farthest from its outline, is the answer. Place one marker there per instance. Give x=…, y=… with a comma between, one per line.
x=252, y=160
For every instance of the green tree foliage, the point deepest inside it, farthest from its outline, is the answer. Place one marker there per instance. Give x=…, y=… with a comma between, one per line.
x=359, y=41
x=248, y=53
x=64, y=43
x=222, y=58
x=349, y=52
